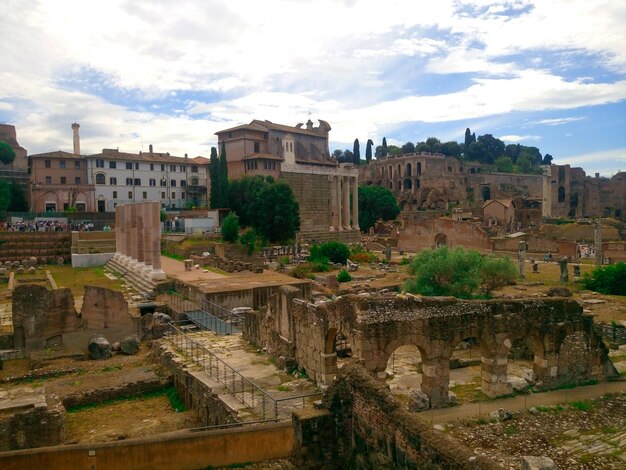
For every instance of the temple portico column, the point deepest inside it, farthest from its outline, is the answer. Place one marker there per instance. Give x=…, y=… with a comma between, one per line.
x=140, y=234
x=118, y=232
x=333, y=203
x=157, y=273
x=126, y=229
x=339, y=198
x=346, y=202
x=147, y=238
x=132, y=209
x=355, y=204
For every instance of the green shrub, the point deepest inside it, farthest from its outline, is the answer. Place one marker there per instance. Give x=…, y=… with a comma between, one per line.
x=336, y=252
x=249, y=239
x=283, y=261
x=230, y=228
x=496, y=272
x=607, y=279
x=344, y=276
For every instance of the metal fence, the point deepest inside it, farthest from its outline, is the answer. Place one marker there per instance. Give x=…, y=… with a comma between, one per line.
x=208, y=315
x=247, y=392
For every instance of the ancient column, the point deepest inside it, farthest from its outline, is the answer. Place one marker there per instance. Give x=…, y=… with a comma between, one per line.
x=147, y=238
x=346, y=202
x=597, y=240
x=494, y=368
x=521, y=259
x=339, y=203
x=126, y=230
x=333, y=203
x=355, y=204
x=157, y=272
x=132, y=209
x=118, y=232
x=140, y=233
x=436, y=380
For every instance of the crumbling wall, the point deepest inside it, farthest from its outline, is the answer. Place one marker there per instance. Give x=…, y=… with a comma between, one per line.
x=41, y=316
x=363, y=426
x=107, y=311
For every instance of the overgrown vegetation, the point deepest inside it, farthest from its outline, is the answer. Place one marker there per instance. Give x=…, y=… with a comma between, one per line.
x=607, y=279
x=358, y=254
x=170, y=392
x=458, y=273
x=230, y=228
x=376, y=202
x=335, y=252
x=344, y=276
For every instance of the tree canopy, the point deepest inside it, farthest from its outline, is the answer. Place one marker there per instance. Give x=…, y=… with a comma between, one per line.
x=368, y=151
x=376, y=202
x=222, y=183
x=230, y=228
x=5, y=196
x=356, y=152
x=7, y=154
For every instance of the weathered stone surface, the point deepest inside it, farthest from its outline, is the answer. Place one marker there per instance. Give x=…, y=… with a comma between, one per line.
x=129, y=345
x=116, y=346
x=418, y=401
x=501, y=414
x=538, y=463
x=99, y=347
x=559, y=292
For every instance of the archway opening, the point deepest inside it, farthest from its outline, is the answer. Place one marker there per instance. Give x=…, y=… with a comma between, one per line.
x=486, y=193
x=407, y=183
x=441, y=240
x=404, y=371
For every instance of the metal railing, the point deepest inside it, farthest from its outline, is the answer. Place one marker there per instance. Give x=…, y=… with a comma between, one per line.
x=207, y=315
x=247, y=392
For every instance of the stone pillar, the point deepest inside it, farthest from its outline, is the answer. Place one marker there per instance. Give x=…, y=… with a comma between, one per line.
x=333, y=203
x=346, y=202
x=118, y=232
x=435, y=380
x=140, y=233
x=546, y=368
x=132, y=209
x=126, y=230
x=157, y=273
x=597, y=240
x=521, y=259
x=147, y=238
x=355, y=204
x=339, y=203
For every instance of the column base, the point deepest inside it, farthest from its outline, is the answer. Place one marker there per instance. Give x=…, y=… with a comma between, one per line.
x=158, y=275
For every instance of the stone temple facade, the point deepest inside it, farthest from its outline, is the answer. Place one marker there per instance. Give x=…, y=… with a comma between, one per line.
x=300, y=156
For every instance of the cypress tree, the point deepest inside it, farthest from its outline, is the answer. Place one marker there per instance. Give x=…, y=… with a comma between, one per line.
x=214, y=174
x=384, y=146
x=356, y=151
x=223, y=178
x=368, y=151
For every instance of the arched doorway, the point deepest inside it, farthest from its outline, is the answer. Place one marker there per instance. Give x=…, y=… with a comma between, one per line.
x=404, y=371
x=486, y=193
x=441, y=240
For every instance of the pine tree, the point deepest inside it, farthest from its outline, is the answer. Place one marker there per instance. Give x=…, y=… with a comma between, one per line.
x=384, y=146
x=214, y=174
x=356, y=150
x=223, y=178
x=368, y=151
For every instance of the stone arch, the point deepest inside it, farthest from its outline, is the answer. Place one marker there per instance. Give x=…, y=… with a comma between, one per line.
x=336, y=344
x=419, y=168
x=408, y=184
x=441, y=239
x=407, y=171
x=574, y=358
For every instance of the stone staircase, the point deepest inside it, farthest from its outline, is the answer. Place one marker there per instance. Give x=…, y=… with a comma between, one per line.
x=138, y=282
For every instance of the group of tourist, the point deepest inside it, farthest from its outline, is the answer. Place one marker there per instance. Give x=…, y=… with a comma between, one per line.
x=45, y=226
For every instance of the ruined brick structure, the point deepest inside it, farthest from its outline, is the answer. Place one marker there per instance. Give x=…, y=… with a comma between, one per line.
x=300, y=156
x=422, y=181
x=565, y=346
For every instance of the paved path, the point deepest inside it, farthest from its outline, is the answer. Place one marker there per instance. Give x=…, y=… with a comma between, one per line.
x=522, y=402
x=176, y=269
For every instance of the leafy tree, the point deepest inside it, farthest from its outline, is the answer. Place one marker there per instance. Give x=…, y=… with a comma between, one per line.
x=524, y=164
x=477, y=152
x=376, y=202
x=230, y=228
x=222, y=183
x=7, y=154
x=496, y=272
x=5, y=196
x=547, y=159
x=356, y=151
x=451, y=149
x=494, y=147
x=337, y=153
x=249, y=239
x=513, y=151
x=607, y=279
x=18, y=198
x=504, y=164
x=394, y=150
x=243, y=194
x=469, y=138
x=214, y=174
x=347, y=157
x=344, y=276
x=368, y=151
x=409, y=147
x=335, y=252
x=277, y=212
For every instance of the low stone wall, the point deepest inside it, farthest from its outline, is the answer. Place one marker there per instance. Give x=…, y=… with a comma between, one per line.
x=180, y=450
x=196, y=394
x=46, y=245
x=91, y=260
x=126, y=390
x=363, y=426
x=228, y=265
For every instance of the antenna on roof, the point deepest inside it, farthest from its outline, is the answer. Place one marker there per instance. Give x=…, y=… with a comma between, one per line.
x=309, y=113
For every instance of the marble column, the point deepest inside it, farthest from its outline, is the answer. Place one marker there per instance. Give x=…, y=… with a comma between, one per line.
x=140, y=233
x=132, y=220
x=597, y=242
x=346, y=202
x=118, y=232
x=157, y=273
x=333, y=203
x=355, y=204
x=521, y=259
x=147, y=238
x=339, y=203
x=126, y=230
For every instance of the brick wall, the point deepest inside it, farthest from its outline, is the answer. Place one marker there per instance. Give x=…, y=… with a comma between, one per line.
x=22, y=245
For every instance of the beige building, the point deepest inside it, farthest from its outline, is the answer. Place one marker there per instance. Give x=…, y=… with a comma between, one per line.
x=300, y=156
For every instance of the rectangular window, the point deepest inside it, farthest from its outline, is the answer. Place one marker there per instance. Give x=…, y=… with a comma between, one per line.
x=137, y=181
x=129, y=181
x=182, y=195
x=152, y=182
x=183, y=168
x=113, y=181
x=145, y=195
x=162, y=167
x=77, y=180
x=151, y=166
x=47, y=163
x=173, y=183
x=112, y=164
x=129, y=165
x=48, y=179
x=163, y=183
x=257, y=147
x=114, y=194
x=163, y=195
x=61, y=163
x=173, y=195
x=183, y=183
x=136, y=165
x=173, y=168
x=194, y=169
x=99, y=163
x=80, y=206
x=130, y=194
x=76, y=165
x=66, y=206
x=51, y=207
x=63, y=180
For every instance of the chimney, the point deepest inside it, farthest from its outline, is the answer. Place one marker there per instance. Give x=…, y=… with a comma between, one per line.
x=150, y=148
x=75, y=127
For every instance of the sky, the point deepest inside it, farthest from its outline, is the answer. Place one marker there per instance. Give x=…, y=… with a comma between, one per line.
x=543, y=73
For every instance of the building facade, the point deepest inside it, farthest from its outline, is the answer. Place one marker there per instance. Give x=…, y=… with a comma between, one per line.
x=300, y=156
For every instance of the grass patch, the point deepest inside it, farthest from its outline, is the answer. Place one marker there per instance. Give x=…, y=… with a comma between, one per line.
x=283, y=388
x=586, y=458
x=172, y=255
x=175, y=401
x=511, y=430
x=170, y=392
x=582, y=405
x=609, y=430
x=111, y=368
x=556, y=409
x=468, y=393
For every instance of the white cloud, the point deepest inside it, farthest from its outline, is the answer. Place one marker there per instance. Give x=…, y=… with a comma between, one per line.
x=519, y=138
x=558, y=121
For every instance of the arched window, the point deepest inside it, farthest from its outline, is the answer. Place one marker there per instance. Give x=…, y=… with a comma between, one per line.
x=408, y=170
x=100, y=178
x=486, y=193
